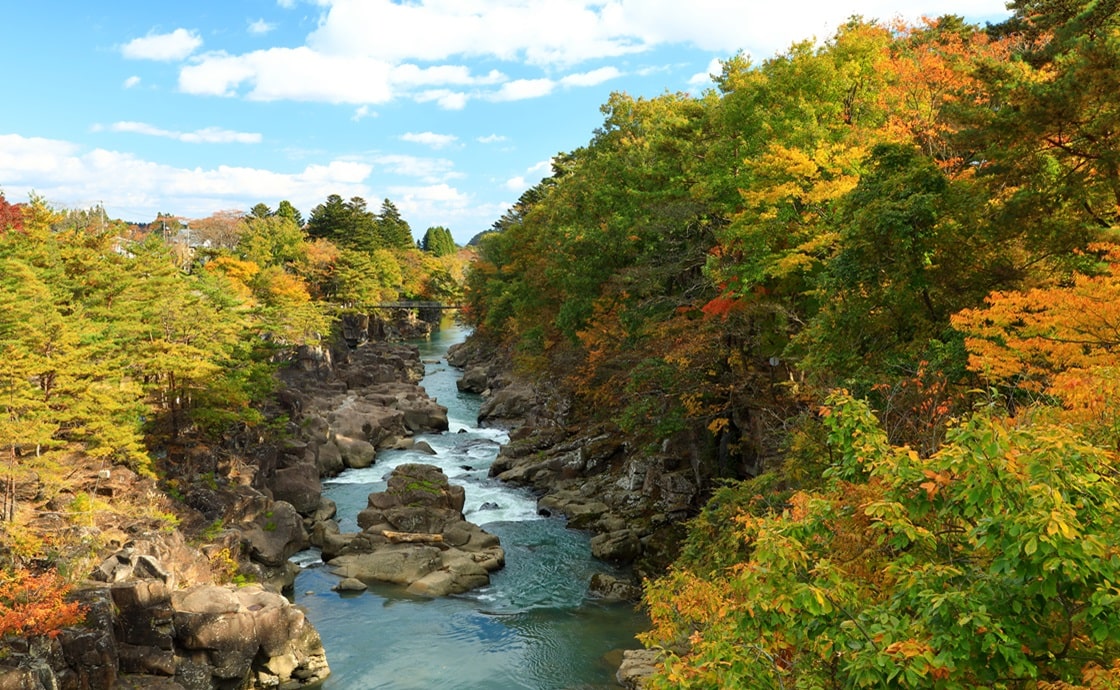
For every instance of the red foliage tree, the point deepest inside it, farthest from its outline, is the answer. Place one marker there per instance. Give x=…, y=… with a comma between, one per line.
x=11, y=215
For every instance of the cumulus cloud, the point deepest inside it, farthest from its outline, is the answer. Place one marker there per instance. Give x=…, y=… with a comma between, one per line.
x=207, y=135
x=427, y=170
x=260, y=27
x=131, y=82
x=592, y=78
x=362, y=112
x=704, y=78
x=373, y=51
x=136, y=189
x=491, y=139
x=521, y=89
x=444, y=98
x=176, y=45
x=436, y=141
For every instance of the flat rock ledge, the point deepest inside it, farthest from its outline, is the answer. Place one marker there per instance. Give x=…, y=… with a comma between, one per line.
x=414, y=534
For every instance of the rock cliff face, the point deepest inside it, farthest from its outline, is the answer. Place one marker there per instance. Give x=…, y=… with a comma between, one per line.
x=140, y=633
x=156, y=618
x=632, y=501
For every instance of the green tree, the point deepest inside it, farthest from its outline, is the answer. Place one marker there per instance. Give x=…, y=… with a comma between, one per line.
x=393, y=231
x=271, y=241
x=286, y=210
x=987, y=564
x=438, y=241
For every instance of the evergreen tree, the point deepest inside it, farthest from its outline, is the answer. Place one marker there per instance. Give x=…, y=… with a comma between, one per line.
x=438, y=241
x=394, y=231
x=286, y=210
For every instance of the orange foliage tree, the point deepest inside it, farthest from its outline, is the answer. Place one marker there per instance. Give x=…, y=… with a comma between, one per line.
x=33, y=605
x=1061, y=341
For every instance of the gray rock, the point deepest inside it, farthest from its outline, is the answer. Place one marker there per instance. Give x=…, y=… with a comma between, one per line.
x=637, y=665
x=610, y=588
x=350, y=584
x=622, y=546
x=356, y=453
x=299, y=485
x=474, y=380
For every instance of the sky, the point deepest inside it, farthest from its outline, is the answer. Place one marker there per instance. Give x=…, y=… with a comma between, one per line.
x=449, y=108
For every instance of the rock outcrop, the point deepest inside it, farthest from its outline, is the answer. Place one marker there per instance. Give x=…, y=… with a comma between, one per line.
x=633, y=501
x=141, y=633
x=414, y=534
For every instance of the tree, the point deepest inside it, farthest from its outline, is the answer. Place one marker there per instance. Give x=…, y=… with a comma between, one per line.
x=11, y=215
x=33, y=604
x=221, y=229
x=393, y=231
x=286, y=210
x=260, y=211
x=985, y=563
x=271, y=241
x=1060, y=341
x=348, y=224
x=438, y=241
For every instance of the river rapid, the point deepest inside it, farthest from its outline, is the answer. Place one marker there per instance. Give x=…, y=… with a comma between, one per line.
x=533, y=627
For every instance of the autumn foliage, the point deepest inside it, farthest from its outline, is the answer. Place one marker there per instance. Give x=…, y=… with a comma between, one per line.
x=35, y=604
x=994, y=559
x=922, y=214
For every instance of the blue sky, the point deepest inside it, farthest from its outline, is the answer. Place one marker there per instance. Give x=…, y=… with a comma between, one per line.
x=450, y=108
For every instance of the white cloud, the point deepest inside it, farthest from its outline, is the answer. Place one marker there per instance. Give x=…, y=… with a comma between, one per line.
x=436, y=141
x=286, y=4
x=491, y=139
x=375, y=51
x=362, y=112
x=437, y=200
x=136, y=189
x=592, y=78
x=427, y=170
x=176, y=45
x=445, y=98
x=131, y=82
x=541, y=168
x=260, y=27
x=207, y=135
x=298, y=74
x=533, y=174
x=521, y=89
x=704, y=78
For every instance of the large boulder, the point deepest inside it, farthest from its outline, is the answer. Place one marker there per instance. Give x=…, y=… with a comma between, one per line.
x=414, y=534
x=356, y=453
x=509, y=405
x=474, y=380
x=299, y=485
x=246, y=635
x=272, y=530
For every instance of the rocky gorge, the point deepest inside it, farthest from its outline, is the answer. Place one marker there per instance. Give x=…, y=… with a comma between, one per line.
x=157, y=614
x=631, y=500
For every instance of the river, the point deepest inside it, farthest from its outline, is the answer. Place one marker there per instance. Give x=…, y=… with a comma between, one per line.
x=533, y=627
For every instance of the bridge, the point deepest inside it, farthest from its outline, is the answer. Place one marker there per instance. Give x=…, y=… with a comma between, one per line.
x=415, y=304
x=431, y=312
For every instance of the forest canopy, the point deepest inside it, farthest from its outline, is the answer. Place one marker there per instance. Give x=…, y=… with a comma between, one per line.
x=871, y=282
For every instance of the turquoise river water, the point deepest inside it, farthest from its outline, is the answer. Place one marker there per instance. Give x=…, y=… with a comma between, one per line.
x=533, y=627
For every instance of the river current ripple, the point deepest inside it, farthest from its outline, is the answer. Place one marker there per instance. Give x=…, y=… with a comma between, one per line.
x=533, y=627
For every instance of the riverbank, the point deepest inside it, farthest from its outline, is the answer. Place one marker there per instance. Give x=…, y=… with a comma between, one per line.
x=535, y=626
